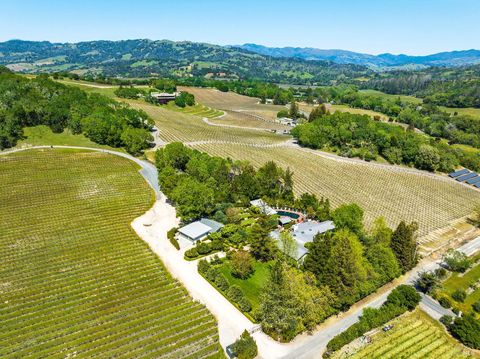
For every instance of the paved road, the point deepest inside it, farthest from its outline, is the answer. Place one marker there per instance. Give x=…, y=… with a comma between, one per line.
x=471, y=247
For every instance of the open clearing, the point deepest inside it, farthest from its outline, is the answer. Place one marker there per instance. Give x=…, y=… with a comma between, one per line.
x=75, y=280
x=43, y=135
x=414, y=335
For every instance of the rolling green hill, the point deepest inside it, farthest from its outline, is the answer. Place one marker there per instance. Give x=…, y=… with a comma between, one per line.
x=141, y=58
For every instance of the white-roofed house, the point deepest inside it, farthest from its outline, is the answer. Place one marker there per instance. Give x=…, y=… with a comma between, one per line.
x=199, y=230
x=304, y=233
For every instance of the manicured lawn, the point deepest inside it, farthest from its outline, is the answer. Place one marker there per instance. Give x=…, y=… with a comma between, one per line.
x=252, y=286
x=455, y=281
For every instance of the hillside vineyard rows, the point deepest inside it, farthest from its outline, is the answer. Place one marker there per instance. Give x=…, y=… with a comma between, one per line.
x=65, y=221
x=414, y=335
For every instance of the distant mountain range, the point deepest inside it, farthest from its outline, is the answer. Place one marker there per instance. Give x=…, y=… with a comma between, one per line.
x=142, y=58
x=449, y=59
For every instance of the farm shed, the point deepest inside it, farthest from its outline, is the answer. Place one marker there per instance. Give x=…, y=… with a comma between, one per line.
x=198, y=230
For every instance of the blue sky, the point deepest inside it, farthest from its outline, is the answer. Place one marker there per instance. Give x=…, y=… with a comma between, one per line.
x=413, y=27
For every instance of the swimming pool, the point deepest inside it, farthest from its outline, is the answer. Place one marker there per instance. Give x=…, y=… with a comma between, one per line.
x=288, y=214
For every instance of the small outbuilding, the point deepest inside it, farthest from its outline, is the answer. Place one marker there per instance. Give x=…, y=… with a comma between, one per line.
x=199, y=230
x=163, y=97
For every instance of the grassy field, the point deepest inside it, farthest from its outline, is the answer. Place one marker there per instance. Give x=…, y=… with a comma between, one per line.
x=358, y=111
x=251, y=287
x=404, y=98
x=75, y=280
x=43, y=135
x=390, y=191
x=470, y=111
x=414, y=335
x=463, y=282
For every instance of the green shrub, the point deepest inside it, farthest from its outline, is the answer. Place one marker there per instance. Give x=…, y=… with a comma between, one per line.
x=191, y=253
x=445, y=302
x=234, y=293
x=245, y=305
x=171, y=236
x=212, y=274
x=476, y=306
x=404, y=295
x=203, y=248
x=222, y=283
x=457, y=261
x=459, y=295
x=203, y=266
x=245, y=347
x=217, y=245
x=446, y=320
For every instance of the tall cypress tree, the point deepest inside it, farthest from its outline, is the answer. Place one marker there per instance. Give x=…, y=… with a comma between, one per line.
x=404, y=245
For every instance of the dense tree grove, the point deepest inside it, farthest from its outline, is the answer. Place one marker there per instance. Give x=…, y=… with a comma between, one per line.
x=466, y=329
x=353, y=135
x=452, y=87
x=201, y=185
x=350, y=261
x=292, y=302
x=40, y=101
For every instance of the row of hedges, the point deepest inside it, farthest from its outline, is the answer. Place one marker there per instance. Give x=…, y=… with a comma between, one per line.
x=233, y=293
x=400, y=300
x=171, y=237
x=203, y=249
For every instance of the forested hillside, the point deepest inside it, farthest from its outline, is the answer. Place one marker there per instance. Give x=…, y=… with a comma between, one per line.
x=141, y=58
x=41, y=101
x=458, y=87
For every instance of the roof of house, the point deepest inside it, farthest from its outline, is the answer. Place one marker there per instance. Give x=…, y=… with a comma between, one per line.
x=195, y=230
x=163, y=94
x=200, y=228
x=304, y=232
x=214, y=225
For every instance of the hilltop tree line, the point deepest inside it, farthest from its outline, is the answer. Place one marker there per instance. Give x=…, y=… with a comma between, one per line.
x=341, y=266
x=353, y=135
x=41, y=101
x=457, y=87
